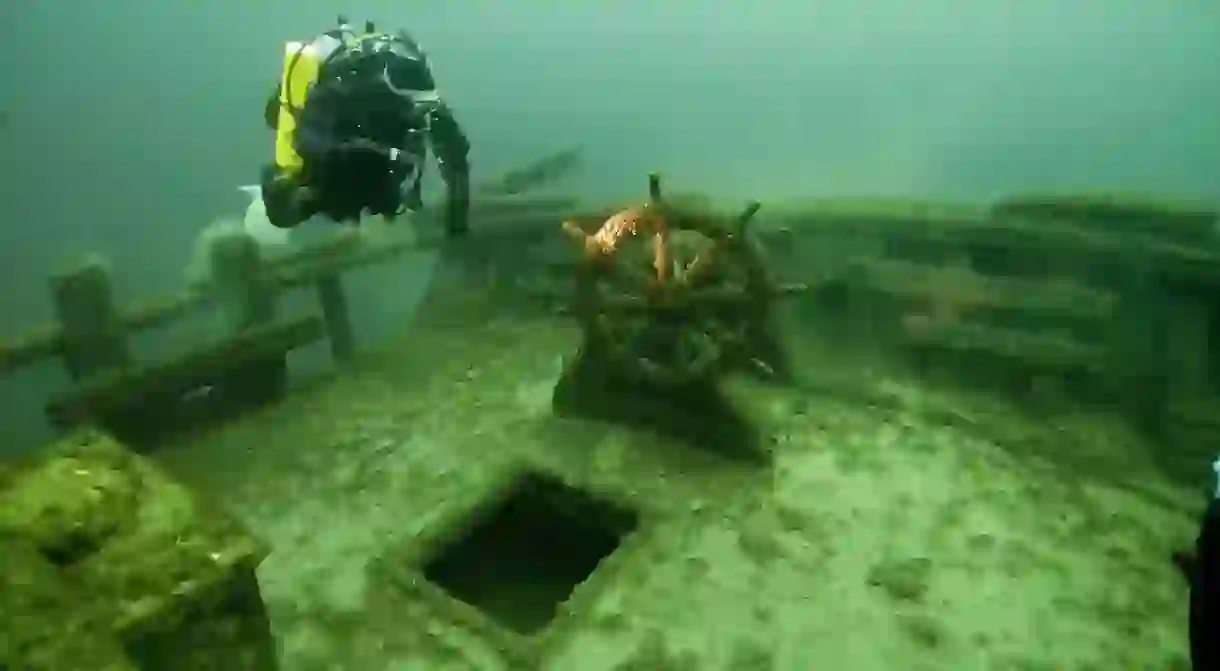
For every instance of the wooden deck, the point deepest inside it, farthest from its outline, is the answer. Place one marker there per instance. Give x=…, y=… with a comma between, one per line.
x=898, y=527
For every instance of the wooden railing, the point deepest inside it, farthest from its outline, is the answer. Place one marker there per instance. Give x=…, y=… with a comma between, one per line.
x=91, y=333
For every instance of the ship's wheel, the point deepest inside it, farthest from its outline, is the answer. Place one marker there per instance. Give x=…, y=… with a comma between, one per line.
x=671, y=293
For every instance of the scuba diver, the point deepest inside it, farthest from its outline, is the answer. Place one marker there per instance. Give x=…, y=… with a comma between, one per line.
x=1201, y=567
x=353, y=115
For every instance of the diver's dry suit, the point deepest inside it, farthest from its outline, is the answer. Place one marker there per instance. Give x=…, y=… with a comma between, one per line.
x=354, y=115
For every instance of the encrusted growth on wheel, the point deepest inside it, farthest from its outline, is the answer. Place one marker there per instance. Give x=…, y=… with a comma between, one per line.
x=672, y=294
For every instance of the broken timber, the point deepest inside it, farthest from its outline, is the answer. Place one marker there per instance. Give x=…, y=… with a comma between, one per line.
x=118, y=390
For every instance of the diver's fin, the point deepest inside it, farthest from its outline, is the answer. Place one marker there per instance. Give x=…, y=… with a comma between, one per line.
x=257, y=225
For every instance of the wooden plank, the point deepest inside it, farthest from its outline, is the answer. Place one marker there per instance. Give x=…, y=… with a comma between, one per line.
x=1039, y=351
x=30, y=348
x=1189, y=224
x=308, y=274
x=916, y=281
x=877, y=213
x=117, y=390
x=1178, y=262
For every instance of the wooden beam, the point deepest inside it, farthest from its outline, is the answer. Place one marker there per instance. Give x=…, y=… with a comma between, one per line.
x=119, y=389
x=30, y=348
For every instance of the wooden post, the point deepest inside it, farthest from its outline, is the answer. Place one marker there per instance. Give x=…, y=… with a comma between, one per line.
x=336, y=316
x=93, y=335
x=245, y=291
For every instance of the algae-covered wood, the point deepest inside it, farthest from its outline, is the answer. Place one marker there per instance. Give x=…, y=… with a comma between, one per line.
x=42, y=624
x=136, y=554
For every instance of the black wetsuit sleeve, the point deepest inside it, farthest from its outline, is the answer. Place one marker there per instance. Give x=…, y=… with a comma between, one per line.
x=452, y=151
x=449, y=143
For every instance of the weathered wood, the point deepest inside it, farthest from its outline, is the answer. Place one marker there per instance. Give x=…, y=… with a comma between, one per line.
x=1050, y=297
x=925, y=223
x=92, y=334
x=366, y=255
x=1176, y=264
x=337, y=317
x=499, y=217
x=1038, y=352
x=344, y=240
x=119, y=390
x=242, y=285
x=30, y=348
x=1117, y=214
x=163, y=310
x=1178, y=261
